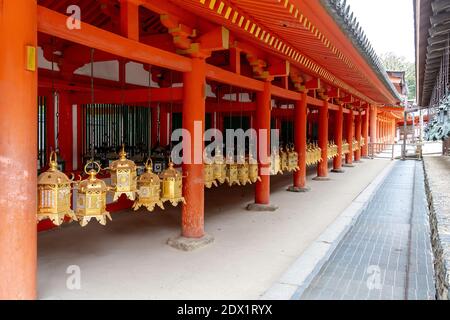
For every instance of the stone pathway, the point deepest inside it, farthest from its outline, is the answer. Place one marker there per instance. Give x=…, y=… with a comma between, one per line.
x=387, y=253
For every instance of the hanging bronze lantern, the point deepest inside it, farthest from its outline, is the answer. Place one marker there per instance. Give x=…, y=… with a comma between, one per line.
x=284, y=160
x=91, y=198
x=275, y=164
x=208, y=169
x=149, y=189
x=243, y=172
x=253, y=174
x=123, y=176
x=172, y=185
x=232, y=171
x=219, y=167
x=54, y=194
x=292, y=159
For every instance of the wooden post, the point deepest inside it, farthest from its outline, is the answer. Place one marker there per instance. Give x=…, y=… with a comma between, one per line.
x=18, y=145
x=322, y=167
x=338, y=132
x=349, y=137
x=300, y=117
x=193, y=184
x=358, y=124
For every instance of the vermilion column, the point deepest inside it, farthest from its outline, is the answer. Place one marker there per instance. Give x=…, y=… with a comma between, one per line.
x=194, y=115
x=358, y=124
x=18, y=145
x=338, y=132
x=349, y=137
x=373, y=125
x=300, y=123
x=365, y=134
x=322, y=167
x=262, y=189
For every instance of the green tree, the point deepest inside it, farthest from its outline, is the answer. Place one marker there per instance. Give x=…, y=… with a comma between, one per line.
x=392, y=62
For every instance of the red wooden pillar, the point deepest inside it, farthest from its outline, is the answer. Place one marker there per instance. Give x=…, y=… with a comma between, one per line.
x=193, y=185
x=338, y=132
x=300, y=122
x=65, y=136
x=263, y=117
x=358, y=123
x=349, y=136
x=18, y=145
x=322, y=167
x=365, y=134
x=262, y=190
x=373, y=126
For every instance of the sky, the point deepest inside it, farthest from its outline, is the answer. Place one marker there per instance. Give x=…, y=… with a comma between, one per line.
x=389, y=25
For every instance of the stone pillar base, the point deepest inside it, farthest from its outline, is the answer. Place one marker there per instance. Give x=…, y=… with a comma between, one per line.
x=348, y=165
x=321, y=179
x=298, y=189
x=190, y=244
x=338, y=171
x=261, y=207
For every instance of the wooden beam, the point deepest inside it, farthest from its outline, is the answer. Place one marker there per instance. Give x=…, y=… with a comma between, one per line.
x=132, y=96
x=54, y=23
x=129, y=20
x=228, y=77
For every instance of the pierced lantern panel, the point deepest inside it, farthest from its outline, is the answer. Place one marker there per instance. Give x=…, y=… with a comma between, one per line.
x=149, y=189
x=219, y=167
x=91, y=199
x=123, y=177
x=208, y=170
x=54, y=194
x=243, y=172
x=253, y=170
x=172, y=186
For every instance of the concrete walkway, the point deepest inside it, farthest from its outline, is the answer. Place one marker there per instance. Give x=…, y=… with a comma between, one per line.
x=129, y=257
x=387, y=253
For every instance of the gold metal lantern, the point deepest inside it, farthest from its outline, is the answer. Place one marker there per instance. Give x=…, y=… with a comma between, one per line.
x=123, y=176
x=54, y=194
x=208, y=169
x=253, y=170
x=219, y=167
x=172, y=186
x=275, y=163
x=243, y=172
x=292, y=159
x=232, y=171
x=284, y=160
x=91, y=198
x=148, y=189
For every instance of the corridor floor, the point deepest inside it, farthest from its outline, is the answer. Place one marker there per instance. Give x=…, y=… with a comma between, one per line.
x=387, y=253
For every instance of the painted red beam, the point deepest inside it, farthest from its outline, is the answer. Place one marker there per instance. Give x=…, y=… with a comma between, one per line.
x=133, y=96
x=230, y=78
x=285, y=94
x=54, y=23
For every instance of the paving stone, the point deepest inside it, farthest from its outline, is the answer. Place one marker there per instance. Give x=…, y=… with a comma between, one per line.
x=387, y=253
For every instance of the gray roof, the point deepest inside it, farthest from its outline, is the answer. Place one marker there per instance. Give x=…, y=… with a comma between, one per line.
x=348, y=23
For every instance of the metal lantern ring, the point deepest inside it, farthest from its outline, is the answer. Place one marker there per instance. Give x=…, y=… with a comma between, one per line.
x=149, y=189
x=54, y=194
x=219, y=167
x=91, y=198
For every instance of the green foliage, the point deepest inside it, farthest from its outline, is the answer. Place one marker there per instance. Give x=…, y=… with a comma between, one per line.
x=392, y=62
